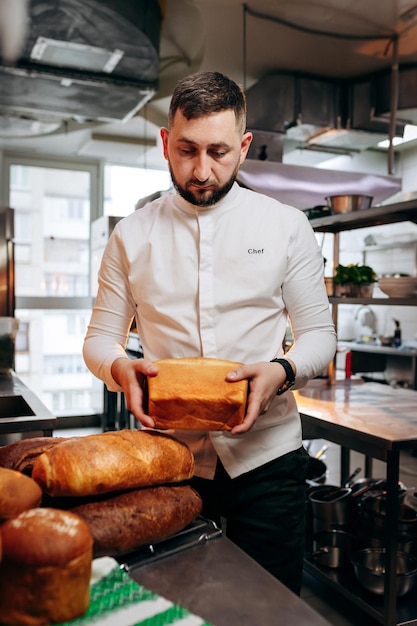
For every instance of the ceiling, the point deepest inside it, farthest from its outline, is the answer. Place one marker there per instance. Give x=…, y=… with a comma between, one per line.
x=334, y=39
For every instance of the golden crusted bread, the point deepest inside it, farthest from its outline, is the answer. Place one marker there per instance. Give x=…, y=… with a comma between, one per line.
x=18, y=493
x=112, y=461
x=125, y=521
x=46, y=567
x=193, y=394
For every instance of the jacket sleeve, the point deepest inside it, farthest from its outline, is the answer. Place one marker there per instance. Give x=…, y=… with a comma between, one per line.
x=307, y=304
x=112, y=314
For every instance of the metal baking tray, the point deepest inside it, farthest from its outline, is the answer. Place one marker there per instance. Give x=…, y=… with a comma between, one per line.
x=197, y=532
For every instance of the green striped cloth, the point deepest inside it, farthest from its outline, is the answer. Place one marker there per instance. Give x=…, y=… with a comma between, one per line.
x=117, y=599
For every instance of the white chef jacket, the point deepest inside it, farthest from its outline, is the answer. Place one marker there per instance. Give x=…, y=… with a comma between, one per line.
x=217, y=282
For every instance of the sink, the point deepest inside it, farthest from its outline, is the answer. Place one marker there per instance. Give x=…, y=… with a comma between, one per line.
x=14, y=406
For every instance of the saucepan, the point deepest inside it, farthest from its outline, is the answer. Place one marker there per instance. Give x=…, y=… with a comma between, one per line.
x=374, y=486
x=374, y=513
x=331, y=505
x=332, y=548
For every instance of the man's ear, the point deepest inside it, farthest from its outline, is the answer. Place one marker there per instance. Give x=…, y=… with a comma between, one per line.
x=244, y=146
x=164, y=136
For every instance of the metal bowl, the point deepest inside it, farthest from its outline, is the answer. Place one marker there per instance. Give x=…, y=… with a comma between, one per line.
x=348, y=203
x=369, y=567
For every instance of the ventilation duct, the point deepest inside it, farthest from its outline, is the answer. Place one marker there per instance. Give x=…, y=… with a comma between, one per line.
x=320, y=113
x=83, y=60
x=407, y=94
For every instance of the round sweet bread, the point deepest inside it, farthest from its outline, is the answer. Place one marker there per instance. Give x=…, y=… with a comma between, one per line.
x=18, y=493
x=46, y=567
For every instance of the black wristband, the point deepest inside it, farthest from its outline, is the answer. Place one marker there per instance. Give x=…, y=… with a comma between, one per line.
x=290, y=380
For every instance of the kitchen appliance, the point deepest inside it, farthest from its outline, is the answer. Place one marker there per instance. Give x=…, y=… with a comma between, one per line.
x=7, y=269
x=8, y=329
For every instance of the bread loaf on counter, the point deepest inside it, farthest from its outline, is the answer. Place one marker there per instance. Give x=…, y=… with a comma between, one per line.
x=18, y=493
x=20, y=455
x=46, y=567
x=193, y=394
x=123, y=522
x=112, y=461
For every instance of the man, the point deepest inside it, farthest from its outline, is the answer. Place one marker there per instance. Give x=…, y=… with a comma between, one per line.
x=215, y=270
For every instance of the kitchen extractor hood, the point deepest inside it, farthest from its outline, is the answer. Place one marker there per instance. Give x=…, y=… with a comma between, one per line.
x=82, y=60
x=318, y=112
x=305, y=187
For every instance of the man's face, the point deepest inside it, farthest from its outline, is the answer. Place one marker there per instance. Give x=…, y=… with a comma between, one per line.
x=204, y=155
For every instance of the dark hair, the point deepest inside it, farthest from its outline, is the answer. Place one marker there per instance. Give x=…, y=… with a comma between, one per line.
x=204, y=93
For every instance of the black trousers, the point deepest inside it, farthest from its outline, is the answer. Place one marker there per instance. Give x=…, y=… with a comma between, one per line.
x=263, y=512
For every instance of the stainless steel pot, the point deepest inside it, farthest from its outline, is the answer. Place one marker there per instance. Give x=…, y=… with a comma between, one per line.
x=373, y=486
x=331, y=505
x=369, y=567
x=332, y=548
x=374, y=513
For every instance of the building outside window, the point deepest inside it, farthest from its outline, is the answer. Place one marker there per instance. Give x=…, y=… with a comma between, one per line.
x=54, y=205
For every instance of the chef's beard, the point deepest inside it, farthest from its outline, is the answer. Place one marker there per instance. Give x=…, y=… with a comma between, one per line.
x=207, y=198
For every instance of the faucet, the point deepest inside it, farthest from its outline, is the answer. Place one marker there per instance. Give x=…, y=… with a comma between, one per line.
x=366, y=317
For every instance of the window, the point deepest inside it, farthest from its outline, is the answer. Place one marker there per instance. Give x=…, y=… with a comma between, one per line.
x=54, y=204
x=125, y=186
x=53, y=207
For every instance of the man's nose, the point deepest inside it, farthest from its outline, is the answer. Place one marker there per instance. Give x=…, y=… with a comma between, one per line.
x=202, y=167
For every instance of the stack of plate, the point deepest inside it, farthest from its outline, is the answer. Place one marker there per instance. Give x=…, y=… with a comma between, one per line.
x=398, y=286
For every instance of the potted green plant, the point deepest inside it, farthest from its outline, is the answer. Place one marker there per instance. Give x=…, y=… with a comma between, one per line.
x=355, y=280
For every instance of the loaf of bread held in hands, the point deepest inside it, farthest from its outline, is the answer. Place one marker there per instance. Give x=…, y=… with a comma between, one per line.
x=18, y=493
x=20, y=455
x=193, y=394
x=125, y=521
x=112, y=461
x=46, y=568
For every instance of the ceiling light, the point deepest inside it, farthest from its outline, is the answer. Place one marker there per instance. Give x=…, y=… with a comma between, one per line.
x=76, y=55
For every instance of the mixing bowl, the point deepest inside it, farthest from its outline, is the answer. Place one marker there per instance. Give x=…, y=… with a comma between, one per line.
x=369, y=567
x=347, y=203
x=398, y=286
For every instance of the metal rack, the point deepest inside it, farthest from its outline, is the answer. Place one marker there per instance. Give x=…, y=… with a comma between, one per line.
x=350, y=416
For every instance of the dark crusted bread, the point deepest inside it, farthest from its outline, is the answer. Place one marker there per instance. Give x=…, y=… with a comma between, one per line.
x=20, y=455
x=123, y=522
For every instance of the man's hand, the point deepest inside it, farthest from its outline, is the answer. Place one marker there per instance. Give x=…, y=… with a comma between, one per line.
x=264, y=381
x=130, y=375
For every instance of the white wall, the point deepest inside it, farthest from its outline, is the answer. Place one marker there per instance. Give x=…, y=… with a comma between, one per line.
x=394, y=252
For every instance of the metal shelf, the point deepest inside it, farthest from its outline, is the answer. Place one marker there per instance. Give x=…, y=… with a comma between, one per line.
x=343, y=580
x=375, y=216
x=376, y=301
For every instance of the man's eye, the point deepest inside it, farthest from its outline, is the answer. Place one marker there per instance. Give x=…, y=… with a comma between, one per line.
x=218, y=154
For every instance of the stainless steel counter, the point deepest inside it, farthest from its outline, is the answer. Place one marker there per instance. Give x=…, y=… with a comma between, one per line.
x=218, y=582
x=377, y=421
x=21, y=410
